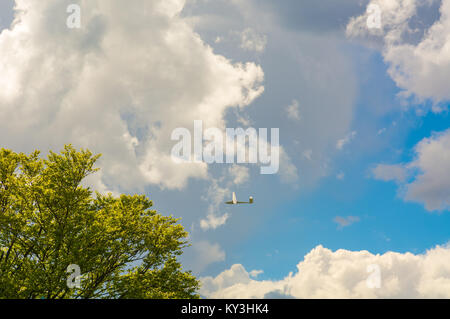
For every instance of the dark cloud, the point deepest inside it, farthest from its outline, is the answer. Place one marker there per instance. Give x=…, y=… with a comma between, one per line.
x=317, y=16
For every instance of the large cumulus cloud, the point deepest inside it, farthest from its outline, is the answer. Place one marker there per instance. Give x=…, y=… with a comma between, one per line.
x=118, y=85
x=429, y=181
x=344, y=274
x=415, y=41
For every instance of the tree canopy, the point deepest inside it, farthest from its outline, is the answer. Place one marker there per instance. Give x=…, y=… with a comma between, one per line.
x=50, y=222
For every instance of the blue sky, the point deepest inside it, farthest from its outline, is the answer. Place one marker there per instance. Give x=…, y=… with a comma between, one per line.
x=387, y=222
x=387, y=133
x=365, y=164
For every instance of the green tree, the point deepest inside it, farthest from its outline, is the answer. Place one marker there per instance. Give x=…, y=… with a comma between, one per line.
x=49, y=221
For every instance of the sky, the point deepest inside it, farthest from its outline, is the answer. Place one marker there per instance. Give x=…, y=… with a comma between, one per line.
x=360, y=204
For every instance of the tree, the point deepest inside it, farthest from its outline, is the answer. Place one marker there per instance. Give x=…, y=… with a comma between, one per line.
x=49, y=221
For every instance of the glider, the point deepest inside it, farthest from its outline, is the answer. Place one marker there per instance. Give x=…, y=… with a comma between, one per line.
x=235, y=202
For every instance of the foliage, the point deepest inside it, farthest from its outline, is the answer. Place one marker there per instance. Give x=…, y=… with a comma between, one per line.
x=49, y=220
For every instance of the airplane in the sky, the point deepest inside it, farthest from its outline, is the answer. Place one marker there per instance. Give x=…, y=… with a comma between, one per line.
x=235, y=202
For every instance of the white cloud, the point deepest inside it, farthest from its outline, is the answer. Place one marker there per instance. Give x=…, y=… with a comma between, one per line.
x=253, y=41
x=218, y=191
x=344, y=274
x=346, y=140
x=345, y=221
x=293, y=110
x=288, y=171
x=255, y=273
x=386, y=173
x=215, y=197
x=394, y=19
x=212, y=221
x=117, y=86
x=418, y=54
x=431, y=183
x=235, y=275
x=239, y=174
